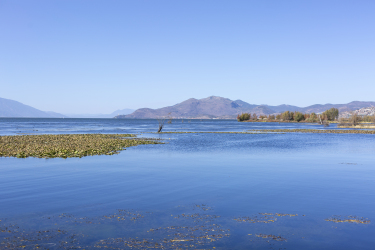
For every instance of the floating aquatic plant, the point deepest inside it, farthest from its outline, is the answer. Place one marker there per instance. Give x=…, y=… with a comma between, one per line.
x=263, y=217
x=350, y=219
x=270, y=236
x=67, y=145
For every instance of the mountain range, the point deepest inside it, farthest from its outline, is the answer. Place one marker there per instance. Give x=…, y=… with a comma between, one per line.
x=224, y=108
x=206, y=108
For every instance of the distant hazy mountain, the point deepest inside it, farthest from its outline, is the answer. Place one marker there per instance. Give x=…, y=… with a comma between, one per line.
x=341, y=107
x=55, y=115
x=245, y=106
x=111, y=115
x=121, y=112
x=10, y=108
x=283, y=107
x=211, y=107
x=224, y=108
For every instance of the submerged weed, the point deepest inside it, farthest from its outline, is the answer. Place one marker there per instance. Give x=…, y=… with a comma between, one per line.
x=349, y=219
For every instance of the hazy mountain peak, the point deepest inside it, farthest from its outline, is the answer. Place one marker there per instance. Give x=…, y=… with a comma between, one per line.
x=214, y=98
x=11, y=108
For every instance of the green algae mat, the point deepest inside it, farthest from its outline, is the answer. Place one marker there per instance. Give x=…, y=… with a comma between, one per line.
x=67, y=145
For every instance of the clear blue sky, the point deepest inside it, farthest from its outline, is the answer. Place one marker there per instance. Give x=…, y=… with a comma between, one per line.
x=73, y=56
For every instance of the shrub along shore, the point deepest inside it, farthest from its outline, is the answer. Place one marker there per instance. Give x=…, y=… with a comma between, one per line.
x=287, y=116
x=67, y=145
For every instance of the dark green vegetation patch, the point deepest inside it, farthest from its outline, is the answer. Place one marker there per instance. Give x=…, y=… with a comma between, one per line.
x=69, y=145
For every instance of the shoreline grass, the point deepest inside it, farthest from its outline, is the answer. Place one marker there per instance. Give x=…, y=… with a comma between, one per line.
x=318, y=131
x=266, y=131
x=202, y=132
x=356, y=126
x=67, y=145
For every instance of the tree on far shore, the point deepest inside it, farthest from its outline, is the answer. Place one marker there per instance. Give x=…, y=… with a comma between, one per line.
x=298, y=116
x=328, y=115
x=243, y=117
x=331, y=114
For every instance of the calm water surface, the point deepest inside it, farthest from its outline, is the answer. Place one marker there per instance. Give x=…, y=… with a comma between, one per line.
x=196, y=191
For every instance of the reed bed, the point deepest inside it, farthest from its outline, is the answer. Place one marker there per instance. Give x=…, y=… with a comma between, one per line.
x=266, y=131
x=208, y=132
x=355, y=126
x=67, y=145
x=319, y=131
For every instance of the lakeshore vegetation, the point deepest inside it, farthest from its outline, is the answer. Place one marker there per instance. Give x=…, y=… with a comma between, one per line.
x=67, y=145
x=328, y=116
x=357, y=121
x=265, y=131
x=287, y=116
x=316, y=131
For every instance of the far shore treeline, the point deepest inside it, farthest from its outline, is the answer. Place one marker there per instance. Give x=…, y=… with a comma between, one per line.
x=287, y=116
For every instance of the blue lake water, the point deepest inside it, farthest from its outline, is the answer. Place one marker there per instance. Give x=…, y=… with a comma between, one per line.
x=196, y=191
